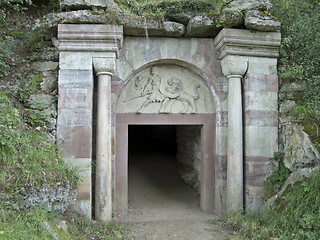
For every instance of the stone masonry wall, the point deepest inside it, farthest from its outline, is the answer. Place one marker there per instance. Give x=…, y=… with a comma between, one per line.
x=189, y=154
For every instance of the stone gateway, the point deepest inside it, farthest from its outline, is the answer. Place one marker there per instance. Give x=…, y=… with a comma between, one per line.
x=224, y=86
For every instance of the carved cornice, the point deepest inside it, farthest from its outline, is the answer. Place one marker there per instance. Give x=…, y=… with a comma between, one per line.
x=247, y=43
x=90, y=38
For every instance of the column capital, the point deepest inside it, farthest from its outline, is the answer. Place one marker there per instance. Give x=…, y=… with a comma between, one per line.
x=234, y=66
x=103, y=65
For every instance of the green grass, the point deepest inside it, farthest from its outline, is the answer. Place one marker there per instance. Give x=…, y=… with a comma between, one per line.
x=30, y=225
x=295, y=215
x=27, y=158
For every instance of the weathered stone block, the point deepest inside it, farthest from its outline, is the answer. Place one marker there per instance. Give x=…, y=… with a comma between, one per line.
x=75, y=98
x=263, y=101
x=260, y=83
x=149, y=28
x=202, y=26
x=240, y=5
x=57, y=198
x=267, y=66
x=299, y=151
x=261, y=118
x=49, y=54
x=254, y=197
x=75, y=141
x=45, y=66
x=75, y=117
x=259, y=21
x=221, y=146
x=261, y=141
x=182, y=17
x=75, y=78
x=231, y=19
x=49, y=83
x=50, y=21
x=81, y=4
x=257, y=171
x=75, y=60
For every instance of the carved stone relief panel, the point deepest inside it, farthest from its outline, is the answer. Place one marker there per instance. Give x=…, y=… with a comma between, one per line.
x=166, y=89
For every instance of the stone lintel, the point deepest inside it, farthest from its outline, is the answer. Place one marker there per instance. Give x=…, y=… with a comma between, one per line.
x=90, y=38
x=247, y=43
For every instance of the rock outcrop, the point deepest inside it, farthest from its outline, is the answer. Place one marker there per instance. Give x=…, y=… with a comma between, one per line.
x=259, y=21
x=57, y=198
x=237, y=13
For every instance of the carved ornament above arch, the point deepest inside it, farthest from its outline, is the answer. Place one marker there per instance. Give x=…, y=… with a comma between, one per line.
x=166, y=88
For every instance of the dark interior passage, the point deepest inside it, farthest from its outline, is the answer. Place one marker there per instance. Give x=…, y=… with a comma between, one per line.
x=152, y=138
x=155, y=188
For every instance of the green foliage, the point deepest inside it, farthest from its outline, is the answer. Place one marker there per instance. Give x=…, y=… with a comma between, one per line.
x=30, y=225
x=169, y=7
x=276, y=180
x=12, y=5
x=95, y=230
x=47, y=5
x=300, y=56
x=27, y=158
x=22, y=224
x=5, y=51
x=300, y=205
x=295, y=215
x=34, y=40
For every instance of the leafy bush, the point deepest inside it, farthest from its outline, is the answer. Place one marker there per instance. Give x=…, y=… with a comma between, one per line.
x=12, y=5
x=300, y=56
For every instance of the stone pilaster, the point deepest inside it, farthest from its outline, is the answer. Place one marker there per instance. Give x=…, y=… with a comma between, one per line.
x=81, y=46
x=234, y=67
x=259, y=106
x=104, y=68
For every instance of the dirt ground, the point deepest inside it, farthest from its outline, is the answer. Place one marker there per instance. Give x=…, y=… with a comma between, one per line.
x=162, y=206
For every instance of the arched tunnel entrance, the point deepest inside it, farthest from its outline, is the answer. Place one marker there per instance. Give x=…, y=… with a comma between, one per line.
x=156, y=189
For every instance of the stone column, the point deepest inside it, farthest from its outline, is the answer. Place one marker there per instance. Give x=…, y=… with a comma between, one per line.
x=104, y=68
x=234, y=68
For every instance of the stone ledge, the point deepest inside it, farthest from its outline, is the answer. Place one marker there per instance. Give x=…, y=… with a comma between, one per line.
x=90, y=37
x=82, y=4
x=247, y=43
x=140, y=27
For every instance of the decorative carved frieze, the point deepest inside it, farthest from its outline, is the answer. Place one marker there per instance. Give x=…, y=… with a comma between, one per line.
x=166, y=89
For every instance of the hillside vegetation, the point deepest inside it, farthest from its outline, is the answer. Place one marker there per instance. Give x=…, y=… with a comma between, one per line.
x=296, y=214
x=29, y=158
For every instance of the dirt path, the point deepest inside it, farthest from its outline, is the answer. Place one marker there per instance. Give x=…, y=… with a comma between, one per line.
x=162, y=206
